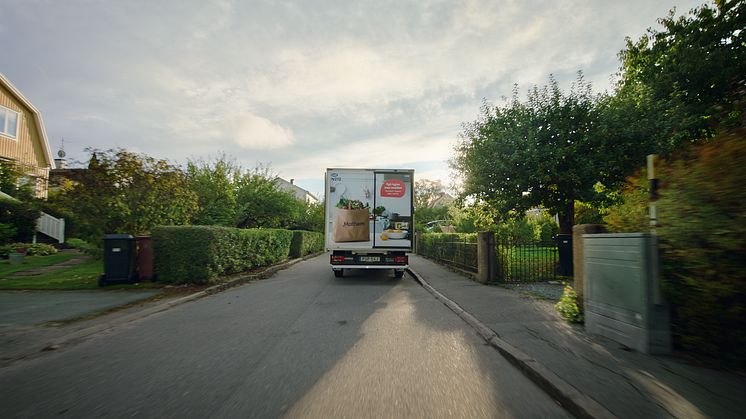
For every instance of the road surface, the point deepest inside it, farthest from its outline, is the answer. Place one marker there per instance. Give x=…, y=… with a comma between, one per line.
x=301, y=344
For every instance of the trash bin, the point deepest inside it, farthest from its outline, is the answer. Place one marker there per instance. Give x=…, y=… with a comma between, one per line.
x=145, y=271
x=564, y=247
x=119, y=259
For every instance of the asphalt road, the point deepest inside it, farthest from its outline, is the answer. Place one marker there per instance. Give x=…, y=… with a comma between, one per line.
x=302, y=344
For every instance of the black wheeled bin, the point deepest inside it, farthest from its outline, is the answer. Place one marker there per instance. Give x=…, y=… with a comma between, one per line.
x=564, y=246
x=119, y=259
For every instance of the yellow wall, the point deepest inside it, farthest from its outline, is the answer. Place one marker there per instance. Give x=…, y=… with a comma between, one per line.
x=26, y=149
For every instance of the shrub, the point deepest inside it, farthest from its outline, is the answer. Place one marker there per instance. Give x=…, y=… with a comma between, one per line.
x=515, y=230
x=631, y=215
x=305, y=243
x=568, y=306
x=703, y=235
x=85, y=247
x=40, y=249
x=21, y=215
x=586, y=213
x=544, y=227
x=7, y=232
x=31, y=249
x=199, y=254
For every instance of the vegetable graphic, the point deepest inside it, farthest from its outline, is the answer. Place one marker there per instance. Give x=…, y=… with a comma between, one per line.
x=351, y=204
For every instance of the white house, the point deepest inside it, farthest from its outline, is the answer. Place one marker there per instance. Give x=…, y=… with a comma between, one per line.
x=300, y=193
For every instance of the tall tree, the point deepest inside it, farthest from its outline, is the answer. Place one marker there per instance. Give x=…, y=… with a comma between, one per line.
x=125, y=192
x=214, y=182
x=690, y=76
x=425, y=192
x=540, y=152
x=261, y=203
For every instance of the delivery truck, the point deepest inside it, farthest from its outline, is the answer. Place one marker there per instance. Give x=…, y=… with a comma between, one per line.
x=369, y=219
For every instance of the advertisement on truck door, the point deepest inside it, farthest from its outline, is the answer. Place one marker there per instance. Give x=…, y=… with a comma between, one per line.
x=368, y=209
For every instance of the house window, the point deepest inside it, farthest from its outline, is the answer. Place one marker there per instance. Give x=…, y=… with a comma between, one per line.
x=8, y=122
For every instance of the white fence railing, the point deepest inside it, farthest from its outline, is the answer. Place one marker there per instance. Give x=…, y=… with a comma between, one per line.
x=51, y=226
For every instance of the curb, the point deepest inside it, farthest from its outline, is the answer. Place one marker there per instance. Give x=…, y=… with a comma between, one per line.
x=575, y=402
x=239, y=280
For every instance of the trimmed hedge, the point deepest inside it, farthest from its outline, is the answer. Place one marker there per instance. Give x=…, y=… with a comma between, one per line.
x=199, y=254
x=427, y=239
x=306, y=242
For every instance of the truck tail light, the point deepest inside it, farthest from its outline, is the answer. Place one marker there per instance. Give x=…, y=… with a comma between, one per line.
x=400, y=259
x=338, y=259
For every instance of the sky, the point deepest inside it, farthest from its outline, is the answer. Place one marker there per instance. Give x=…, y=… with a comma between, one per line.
x=300, y=86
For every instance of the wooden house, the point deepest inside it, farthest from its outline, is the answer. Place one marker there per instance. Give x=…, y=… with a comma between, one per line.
x=23, y=139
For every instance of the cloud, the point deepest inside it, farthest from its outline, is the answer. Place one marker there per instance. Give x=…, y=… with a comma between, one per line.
x=398, y=150
x=341, y=75
x=301, y=85
x=254, y=132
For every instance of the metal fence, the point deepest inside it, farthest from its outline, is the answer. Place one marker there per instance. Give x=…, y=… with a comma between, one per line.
x=526, y=262
x=514, y=261
x=451, y=251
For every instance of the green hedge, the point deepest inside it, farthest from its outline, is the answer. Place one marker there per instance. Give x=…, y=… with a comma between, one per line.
x=199, y=254
x=428, y=239
x=703, y=241
x=306, y=242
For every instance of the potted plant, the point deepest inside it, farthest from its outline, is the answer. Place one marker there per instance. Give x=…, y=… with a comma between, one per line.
x=17, y=255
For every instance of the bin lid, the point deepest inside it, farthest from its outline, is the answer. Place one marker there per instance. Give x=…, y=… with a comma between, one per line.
x=116, y=236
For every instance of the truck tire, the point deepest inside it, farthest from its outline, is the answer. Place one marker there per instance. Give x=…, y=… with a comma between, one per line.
x=399, y=274
x=339, y=273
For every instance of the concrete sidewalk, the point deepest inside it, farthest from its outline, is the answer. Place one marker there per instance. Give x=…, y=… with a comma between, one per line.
x=627, y=384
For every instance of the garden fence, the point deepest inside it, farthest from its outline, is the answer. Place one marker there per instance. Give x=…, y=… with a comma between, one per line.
x=527, y=261
x=450, y=251
x=515, y=261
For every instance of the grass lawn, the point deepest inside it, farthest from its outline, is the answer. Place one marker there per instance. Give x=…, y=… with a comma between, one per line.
x=79, y=277
x=529, y=263
x=30, y=262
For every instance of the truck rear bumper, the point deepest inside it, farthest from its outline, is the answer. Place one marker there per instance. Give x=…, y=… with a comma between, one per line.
x=397, y=267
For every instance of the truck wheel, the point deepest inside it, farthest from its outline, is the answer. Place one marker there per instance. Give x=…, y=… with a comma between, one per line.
x=102, y=281
x=399, y=274
x=339, y=273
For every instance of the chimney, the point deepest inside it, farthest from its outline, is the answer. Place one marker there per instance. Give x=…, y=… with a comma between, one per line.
x=292, y=181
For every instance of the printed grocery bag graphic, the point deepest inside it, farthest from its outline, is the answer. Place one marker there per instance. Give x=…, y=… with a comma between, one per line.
x=351, y=221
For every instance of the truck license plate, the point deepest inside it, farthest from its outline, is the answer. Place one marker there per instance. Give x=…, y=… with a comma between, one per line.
x=370, y=259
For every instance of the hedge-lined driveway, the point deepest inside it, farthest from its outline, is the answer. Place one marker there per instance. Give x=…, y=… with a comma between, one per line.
x=300, y=344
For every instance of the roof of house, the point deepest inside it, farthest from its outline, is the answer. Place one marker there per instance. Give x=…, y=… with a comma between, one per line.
x=443, y=199
x=297, y=190
x=37, y=118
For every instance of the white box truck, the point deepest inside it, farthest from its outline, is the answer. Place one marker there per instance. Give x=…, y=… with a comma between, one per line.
x=369, y=219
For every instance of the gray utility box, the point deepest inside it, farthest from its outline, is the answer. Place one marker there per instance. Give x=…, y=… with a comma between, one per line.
x=119, y=259
x=622, y=294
